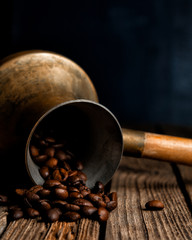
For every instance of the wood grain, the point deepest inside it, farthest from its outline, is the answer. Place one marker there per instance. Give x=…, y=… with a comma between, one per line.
x=3, y=219
x=138, y=181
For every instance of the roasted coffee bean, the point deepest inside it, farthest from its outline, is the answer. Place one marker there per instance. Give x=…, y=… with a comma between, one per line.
x=20, y=192
x=16, y=214
x=73, y=180
x=106, y=198
x=40, y=159
x=34, y=151
x=31, y=196
x=94, y=197
x=60, y=174
x=100, y=204
x=61, y=155
x=35, y=189
x=50, y=140
x=57, y=175
x=88, y=211
x=66, y=166
x=43, y=204
x=43, y=143
x=60, y=193
x=75, y=195
x=3, y=199
x=58, y=145
x=113, y=196
x=111, y=205
x=72, y=173
x=154, y=205
x=72, y=207
x=73, y=189
x=58, y=203
x=82, y=202
x=53, y=215
x=62, y=186
x=44, y=171
x=85, y=192
x=99, y=187
x=51, y=163
x=50, y=151
x=103, y=214
x=79, y=165
x=82, y=176
x=32, y=213
x=71, y=216
x=44, y=193
x=51, y=183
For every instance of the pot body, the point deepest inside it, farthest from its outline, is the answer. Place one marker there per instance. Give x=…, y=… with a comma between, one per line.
x=31, y=83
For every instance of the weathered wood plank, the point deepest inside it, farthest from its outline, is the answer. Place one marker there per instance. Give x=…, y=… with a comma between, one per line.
x=88, y=229
x=138, y=181
x=3, y=219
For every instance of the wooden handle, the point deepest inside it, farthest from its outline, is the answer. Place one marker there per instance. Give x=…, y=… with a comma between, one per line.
x=156, y=146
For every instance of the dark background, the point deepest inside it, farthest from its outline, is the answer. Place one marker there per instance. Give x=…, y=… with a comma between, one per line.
x=137, y=53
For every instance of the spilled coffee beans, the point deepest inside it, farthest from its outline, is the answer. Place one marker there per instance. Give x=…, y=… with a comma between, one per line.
x=64, y=195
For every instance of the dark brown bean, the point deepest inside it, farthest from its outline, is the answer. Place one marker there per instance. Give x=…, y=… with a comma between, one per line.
x=3, y=199
x=51, y=183
x=16, y=214
x=82, y=202
x=75, y=195
x=59, y=203
x=61, y=155
x=43, y=204
x=82, y=176
x=57, y=175
x=66, y=166
x=106, y=198
x=103, y=214
x=72, y=173
x=35, y=189
x=85, y=192
x=60, y=193
x=100, y=204
x=154, y=205
x=73, y=189
x=79, y=165
x=51, y=163
x=113, y=196
x=88, y=211
x=50, y=139
x=111, y=205
x=50, y=151
x=43, y=143
x=32, y=213
x=20, y=192
x=58, y=145
x=72, y=207
x=34, y=151
x=40, y=159
x=44, y=171
x=94, y=197
x=31, y=196
x=71, y=216
x=99, y=187
x=44, y=193
x=53, y=215
x=74, y=180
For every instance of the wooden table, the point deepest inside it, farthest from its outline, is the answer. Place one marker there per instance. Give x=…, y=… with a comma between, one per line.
x=136, y=182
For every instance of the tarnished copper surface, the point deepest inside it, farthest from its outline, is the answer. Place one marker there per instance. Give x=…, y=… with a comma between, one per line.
x=31, y=83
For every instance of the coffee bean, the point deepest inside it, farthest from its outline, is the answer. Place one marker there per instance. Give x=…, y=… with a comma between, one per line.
x=53, y=215
x=40, y=159
x=94, y=197
x=34, y=151
x=66, y=166
x=57, y=175
x=103, y=214
x=20, y=192
x=16, y=214
x=61, y=155
x=59, y=203
x=72, y=207
x=75, y=195
x=99, y=187
x=106, y=198
x=82, y=202
x=43, y=204
x=51, y=183
x=154, y=205
x=71, y=216
x=58, y=145
x=44, y=193
x=35, y=189
x=79, y=165
x=73, y=180
x=51, y=163
x=50, y=140
x=3, y=199
x=82, y=176
x=50, y=151
x=111, y=205
x=73, y=189
x=113, y=196
x=72, y=173
x=100, y=204
x=60, y=193
x=85, y=192
x=88, y=211
x=31, y=196
x=44, y=171
x=32, y=213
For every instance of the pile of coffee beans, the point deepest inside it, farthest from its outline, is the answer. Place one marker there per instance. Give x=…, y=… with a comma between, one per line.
x=64, y=195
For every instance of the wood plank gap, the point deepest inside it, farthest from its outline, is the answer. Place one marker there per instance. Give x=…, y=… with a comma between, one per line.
x=182, y=186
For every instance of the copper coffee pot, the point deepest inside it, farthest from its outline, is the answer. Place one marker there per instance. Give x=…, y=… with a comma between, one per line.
x=37, y=85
